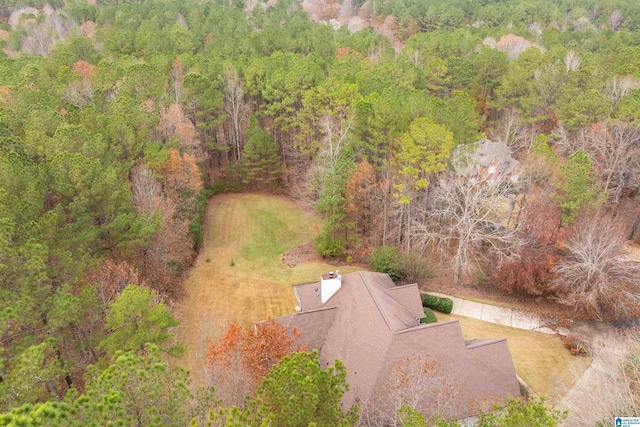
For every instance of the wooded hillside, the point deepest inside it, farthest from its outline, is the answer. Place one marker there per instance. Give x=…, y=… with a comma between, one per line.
x=498, y=138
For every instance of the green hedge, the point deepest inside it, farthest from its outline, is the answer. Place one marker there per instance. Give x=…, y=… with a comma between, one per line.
x=429, y=316
x=444, y=305
x=196, y=222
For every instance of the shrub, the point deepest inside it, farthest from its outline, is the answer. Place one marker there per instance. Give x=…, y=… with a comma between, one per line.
x=443, y=305
x=414, y=267
x=328, y=245
x=429, y=316
x=386, y=259
x=576, y=347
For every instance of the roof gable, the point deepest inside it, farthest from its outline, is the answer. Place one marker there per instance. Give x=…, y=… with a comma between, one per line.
x=370, y=324
x=396, y=315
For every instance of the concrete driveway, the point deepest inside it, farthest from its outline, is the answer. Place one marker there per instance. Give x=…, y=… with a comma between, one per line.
x=500, y=315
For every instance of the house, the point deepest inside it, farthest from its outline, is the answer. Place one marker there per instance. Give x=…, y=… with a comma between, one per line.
x=370, y=324
x=486, y=160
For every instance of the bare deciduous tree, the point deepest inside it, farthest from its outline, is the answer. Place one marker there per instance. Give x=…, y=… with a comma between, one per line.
x=572, y=61
x=413, y=382
x=41, y=36
x=171, y=244
x=174, y=123
x=514, y=45
x=466, y=221
x=235, y=106
x=78, y=93
x=513, y=131
x=614, y=150
x=619, y=86
x=529, y=267
x=596, y=275
x=615, y=19
x=146, y=190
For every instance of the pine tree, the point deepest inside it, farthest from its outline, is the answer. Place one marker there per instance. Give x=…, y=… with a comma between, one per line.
x=578, y=189
x=261, y=164
x=298, y=392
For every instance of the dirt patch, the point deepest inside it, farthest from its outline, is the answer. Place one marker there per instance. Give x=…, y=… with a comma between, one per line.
x=303, y=253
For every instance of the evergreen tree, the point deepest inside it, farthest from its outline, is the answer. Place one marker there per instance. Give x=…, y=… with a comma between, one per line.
x=578, y=189
x=260, y=163
x=298, y=392
x=135, y=318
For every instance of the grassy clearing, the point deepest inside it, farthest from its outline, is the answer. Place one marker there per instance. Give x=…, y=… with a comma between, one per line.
x=540, y=359
x=239, y=275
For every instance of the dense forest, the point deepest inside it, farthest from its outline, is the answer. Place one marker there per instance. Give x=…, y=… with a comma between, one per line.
x=119, y=119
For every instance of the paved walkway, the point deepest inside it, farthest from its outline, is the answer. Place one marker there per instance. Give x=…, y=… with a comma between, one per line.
x=500, y=315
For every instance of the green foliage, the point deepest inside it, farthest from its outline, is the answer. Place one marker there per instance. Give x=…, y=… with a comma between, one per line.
x=329, y=243
x=140, y=389
x=629, y=107
x=410, y=417
x=260, y=164
x=298, y=392
x=135, y=318
x=48, y=414
x=333, y=206
x=429, y=316
x=386, y=259
x=202, y=199
x=578, y=189
x=33, y=371
x=423, y=153
x=444, y=305
x=410, y=266
x=68, y=142
x=533, y=412
x=135, y=390
x=583, y=108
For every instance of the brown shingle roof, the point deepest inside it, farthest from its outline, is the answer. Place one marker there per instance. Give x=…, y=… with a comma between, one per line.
x=313, y=325
x=406, y=295
x=370, y=324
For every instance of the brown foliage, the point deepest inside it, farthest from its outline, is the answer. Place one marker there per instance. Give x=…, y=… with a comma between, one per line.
x=5, y=94
x=531, y=269
x=242, y=357
x=88, y=28
x=180, y=173
x=512, y=44
x=174, y=124
x=413, y=382
x=168, y=253
x=170, y=249
x=111, y=278
x=596, y=276
x=343, y=52
x=361, y=193
x=84, y=68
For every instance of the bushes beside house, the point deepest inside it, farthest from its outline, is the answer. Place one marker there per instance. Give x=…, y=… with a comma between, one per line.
x=386, y=259
x=429, y=316
x=409, y=267
x=444, y=305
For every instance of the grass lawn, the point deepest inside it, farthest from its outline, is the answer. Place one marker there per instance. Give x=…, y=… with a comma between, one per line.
x=540, y=359
x=239, y=275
